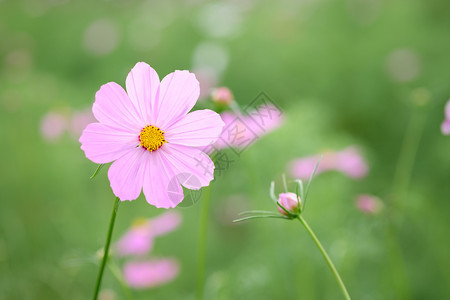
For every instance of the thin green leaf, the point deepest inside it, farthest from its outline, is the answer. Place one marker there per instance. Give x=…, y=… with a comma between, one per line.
x=288, y=212
x=272, y=191
x=299, y=192
x=310, y=180
x=261, y=217
x=100, y=166
x=283, y=176
x=300, y=185
x=255, y=212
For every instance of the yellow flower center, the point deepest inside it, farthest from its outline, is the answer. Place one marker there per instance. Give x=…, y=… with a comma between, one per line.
x=152, y=138
x=138, y=222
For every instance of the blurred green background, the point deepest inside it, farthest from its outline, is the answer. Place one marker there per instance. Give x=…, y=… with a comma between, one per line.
x=345, y=72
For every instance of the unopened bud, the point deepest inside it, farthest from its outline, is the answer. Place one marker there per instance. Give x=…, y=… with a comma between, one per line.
x=290, y=202
x=222, y=96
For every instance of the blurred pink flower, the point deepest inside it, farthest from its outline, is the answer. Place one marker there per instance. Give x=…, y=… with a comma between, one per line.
x=222, y=95
x=139, y=239
x=53, y=125
x=369, y=204
x=150, y=136
x=265, y=119
x=303, y=167
x=348, y=161
x=165, y=223
x=242, y=130
x=445, y=127
x=79, y=121
x=288, y=201
x=148, y=274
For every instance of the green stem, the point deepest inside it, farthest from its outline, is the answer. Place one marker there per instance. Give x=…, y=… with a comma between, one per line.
x=106, y=250
x=326, y=257
x=400, y=188
x=407, y=157
x=201, y=257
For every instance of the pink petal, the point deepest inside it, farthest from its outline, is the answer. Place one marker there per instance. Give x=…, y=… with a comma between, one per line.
x=102, y=143
x=304, y=167
x=126, y=174
x=241, y=131
x=165, y=223
x=198, y=128
x=227, y=118
x=150, y=273
x=447, y=110
x=193, y=168
x=113, y=107
x=350, y=161
x=238, y=132
x=264, y=119
x=137, y=241
x=161, y=186
x=178, y=93
x=142, y=86
x=445, y=127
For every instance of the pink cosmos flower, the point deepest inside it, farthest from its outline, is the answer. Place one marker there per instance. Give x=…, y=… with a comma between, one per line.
x=348, y=161
x=139, y=239
x=445, y=127
x=150, y=135
x=242, y=130
x=147, y=274
x=369, y=204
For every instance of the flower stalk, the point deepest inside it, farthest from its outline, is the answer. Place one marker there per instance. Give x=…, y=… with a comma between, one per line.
x=326, y=257
x=203, y=231
x=290, y=207
x=106, y=249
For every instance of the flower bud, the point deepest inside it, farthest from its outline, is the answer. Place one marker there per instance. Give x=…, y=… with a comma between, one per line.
x=290, y=202
x=222, y=96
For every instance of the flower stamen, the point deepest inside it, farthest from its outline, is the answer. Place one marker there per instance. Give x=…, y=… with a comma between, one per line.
x=151, y=138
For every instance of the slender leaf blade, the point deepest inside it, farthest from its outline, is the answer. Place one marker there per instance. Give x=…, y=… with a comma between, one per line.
x=100, y=166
